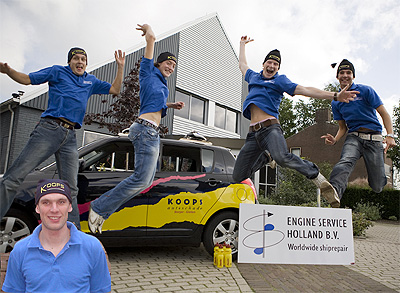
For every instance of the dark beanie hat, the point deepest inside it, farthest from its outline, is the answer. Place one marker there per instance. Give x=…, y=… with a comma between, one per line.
x=74, y=51
x=166, y=56
x=274, y=55
x=345, y=65
x=47, y=186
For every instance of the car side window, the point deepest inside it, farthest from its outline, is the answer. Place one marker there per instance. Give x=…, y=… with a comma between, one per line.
x=110, y=158
x=207, y=160
x=180, y=159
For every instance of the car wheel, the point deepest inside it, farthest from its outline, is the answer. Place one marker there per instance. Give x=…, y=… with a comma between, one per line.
x=223, y=228
x=13, y=227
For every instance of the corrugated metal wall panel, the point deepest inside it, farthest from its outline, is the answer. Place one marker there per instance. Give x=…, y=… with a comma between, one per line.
x=208, y=64
x=183, y=126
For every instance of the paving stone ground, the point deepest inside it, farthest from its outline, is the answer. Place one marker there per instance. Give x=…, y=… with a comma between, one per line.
x=190, y=269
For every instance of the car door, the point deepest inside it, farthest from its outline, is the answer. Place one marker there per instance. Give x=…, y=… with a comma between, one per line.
x=189, y=181
x=103, y=168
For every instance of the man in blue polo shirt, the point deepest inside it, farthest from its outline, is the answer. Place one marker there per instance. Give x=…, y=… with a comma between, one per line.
x=57, y=257
x=144, y=132
x=265, y=138
x=364, y=137
x=70, y=87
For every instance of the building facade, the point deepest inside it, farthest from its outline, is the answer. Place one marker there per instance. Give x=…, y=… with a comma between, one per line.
x=207, y=78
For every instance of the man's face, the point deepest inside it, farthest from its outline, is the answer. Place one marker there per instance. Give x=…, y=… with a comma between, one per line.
x=345, y=77
x=167, y=67
x=78, y=64
x=53, y=209
x=270, y=68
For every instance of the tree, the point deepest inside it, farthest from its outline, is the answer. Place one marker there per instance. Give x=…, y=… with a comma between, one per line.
x=305, y=111
x=125, y=109
x=394, y=153
x=287, y=117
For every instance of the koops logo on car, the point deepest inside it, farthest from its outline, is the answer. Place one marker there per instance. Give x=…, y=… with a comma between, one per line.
x=185, y=201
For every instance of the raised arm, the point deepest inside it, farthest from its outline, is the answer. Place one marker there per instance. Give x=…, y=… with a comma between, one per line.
x=116, y=85
x=150, y=40
x=387, y=122
x=312, y=92
x=242, y=54
x=19, y=77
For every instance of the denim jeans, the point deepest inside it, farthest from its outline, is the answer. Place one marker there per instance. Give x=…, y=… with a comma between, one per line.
x=353, y=149
x=146, y=143
x=46, y=139
x=252, y=156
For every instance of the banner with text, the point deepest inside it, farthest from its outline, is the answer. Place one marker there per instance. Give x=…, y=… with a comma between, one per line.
x=295, y=235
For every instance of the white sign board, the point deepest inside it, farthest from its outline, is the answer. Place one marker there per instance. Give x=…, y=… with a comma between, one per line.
x=295, y=235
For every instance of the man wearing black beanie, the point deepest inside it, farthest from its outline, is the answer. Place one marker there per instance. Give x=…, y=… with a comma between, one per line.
x=364, y=132
x=70, y=88
x=265, y=141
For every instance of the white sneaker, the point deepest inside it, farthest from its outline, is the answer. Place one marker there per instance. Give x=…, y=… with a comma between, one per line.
x=272, y=163
x=95, y=221
x=327, y=190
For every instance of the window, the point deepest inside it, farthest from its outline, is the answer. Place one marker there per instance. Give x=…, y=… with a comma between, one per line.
x=225, y=119
x=194, y=107
x=110, y=158
x=180, y=159
x=296, y=151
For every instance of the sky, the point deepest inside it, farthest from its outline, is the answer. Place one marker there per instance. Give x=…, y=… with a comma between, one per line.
x=311, y=34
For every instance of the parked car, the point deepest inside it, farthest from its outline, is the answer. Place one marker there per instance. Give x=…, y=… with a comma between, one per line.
x=191, y=200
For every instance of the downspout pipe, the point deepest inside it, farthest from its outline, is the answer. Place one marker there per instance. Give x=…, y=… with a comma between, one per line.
x=10, y=131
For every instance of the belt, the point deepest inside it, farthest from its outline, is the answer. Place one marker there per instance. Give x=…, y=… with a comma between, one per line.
x=367, y=136
x=147, y=123
x=263, y=124
x=62, y=123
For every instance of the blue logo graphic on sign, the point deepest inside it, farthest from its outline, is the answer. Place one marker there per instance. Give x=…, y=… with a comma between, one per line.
x=264, y=234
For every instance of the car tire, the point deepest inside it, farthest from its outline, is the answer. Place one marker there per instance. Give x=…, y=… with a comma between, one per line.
x=13, y=227
x=224, y=227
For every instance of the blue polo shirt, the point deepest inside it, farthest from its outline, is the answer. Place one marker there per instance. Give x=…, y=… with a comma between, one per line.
x=68, y=93
x=81, y=266
x=153, y=88
x=266, y=93
x=361, y=112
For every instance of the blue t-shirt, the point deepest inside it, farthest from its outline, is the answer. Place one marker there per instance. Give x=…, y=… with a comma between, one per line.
x=68, y=93
x=361, y=112
x=81, y=266
x=266, y=94
x=153, y=88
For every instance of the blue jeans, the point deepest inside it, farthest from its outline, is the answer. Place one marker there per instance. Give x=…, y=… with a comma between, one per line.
x=252, y=156
x=353, y=149
x=146, y=143
x=46, y=139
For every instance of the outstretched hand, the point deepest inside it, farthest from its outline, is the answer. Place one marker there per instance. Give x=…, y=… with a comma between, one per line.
x=347, y=96
x=120, y=58
x=177, y=105
x=4, y=68
x=329, y=139
x=245, y=40
x=390, y=142
x=144, y=28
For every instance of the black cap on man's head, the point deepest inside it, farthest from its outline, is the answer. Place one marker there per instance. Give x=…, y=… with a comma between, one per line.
x=47, y=186
x=166, y=56
x=75, y=51
x=345, y=65
x=274, y=55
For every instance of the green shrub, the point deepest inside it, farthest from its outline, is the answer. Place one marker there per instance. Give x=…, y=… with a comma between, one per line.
x=393, y=218
x=360, y=224
x=388, y=200
x=371, y=211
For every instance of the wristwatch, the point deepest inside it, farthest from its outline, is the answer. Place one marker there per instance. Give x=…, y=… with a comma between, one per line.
x=335, y=96
x=390, y=135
